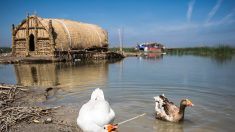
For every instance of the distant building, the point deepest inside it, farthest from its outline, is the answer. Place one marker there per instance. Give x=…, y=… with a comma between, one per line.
x=36, y=36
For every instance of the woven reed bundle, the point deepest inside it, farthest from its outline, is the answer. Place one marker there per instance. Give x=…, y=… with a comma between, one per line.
x=76, y=35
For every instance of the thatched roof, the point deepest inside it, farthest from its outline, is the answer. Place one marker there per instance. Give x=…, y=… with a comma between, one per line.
x=76, y=35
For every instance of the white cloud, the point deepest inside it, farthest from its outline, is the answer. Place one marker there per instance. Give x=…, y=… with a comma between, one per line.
x=228, y=19
x=190, y=10
x=214, y=10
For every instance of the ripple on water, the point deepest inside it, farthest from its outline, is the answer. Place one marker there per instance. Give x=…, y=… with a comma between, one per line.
x=130, y=86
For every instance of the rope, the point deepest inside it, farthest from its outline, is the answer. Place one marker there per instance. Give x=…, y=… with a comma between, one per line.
x=98, y=36
x=131, y=119
x=66, y=30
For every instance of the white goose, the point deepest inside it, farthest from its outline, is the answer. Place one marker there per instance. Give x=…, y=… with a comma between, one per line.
x=96, y=115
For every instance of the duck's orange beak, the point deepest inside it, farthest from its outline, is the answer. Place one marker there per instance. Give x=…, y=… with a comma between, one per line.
x=189, y=103
x=112, y=127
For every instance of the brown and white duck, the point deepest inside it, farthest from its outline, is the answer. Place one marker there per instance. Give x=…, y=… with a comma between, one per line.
x=168, y=111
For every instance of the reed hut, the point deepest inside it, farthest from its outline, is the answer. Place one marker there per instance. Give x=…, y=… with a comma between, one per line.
x=36, y=36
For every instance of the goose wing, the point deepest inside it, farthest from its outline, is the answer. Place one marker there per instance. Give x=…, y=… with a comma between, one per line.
x=170, y=108
x=165, y=109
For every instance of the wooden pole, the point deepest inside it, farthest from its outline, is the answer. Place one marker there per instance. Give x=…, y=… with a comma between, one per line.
x=36, y=34
x=120, y=39
x=13, y=40
x=27, y=35
x=52, y=41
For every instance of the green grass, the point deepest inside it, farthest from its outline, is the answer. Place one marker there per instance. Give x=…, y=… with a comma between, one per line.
x=5, y=49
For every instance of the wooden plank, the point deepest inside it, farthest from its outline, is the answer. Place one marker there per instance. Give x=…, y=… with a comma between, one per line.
x=6, y=86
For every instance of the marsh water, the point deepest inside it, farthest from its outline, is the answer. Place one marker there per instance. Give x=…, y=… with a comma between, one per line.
x=130, y=85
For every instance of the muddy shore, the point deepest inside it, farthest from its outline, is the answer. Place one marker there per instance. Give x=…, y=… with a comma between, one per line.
x=21, y=111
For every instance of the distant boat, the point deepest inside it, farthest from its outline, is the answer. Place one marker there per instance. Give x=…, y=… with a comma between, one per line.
x=151, y=47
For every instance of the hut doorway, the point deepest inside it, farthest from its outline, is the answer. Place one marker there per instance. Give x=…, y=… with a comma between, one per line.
x=31, y=43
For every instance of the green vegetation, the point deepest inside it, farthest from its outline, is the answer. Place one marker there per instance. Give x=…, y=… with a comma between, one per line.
x=5, y=50
x=203, y=51
x=220, y=54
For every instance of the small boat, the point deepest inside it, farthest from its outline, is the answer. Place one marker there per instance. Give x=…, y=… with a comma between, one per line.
x=151, y=47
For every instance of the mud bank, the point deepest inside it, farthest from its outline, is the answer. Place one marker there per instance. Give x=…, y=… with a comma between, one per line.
x=21, y=110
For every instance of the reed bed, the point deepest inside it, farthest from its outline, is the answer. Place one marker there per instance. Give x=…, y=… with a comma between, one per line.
x=221, y=54
x=220, y=50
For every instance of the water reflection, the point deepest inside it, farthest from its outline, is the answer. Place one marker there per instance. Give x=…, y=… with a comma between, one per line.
x=129, y=86
x=152, y=56
x=218, y=58
x=36, y=74
x=163, y=126
x=222, y=59
x=62, y=74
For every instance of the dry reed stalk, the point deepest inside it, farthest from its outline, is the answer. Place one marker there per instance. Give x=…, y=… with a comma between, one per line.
x=11, y=115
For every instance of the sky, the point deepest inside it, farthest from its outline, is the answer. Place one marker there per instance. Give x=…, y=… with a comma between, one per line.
x=174, y=23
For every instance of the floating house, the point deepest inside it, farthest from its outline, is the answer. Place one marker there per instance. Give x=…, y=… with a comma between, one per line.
x=37, y=37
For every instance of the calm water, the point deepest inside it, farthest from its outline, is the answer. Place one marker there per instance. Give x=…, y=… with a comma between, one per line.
x=130, y=85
